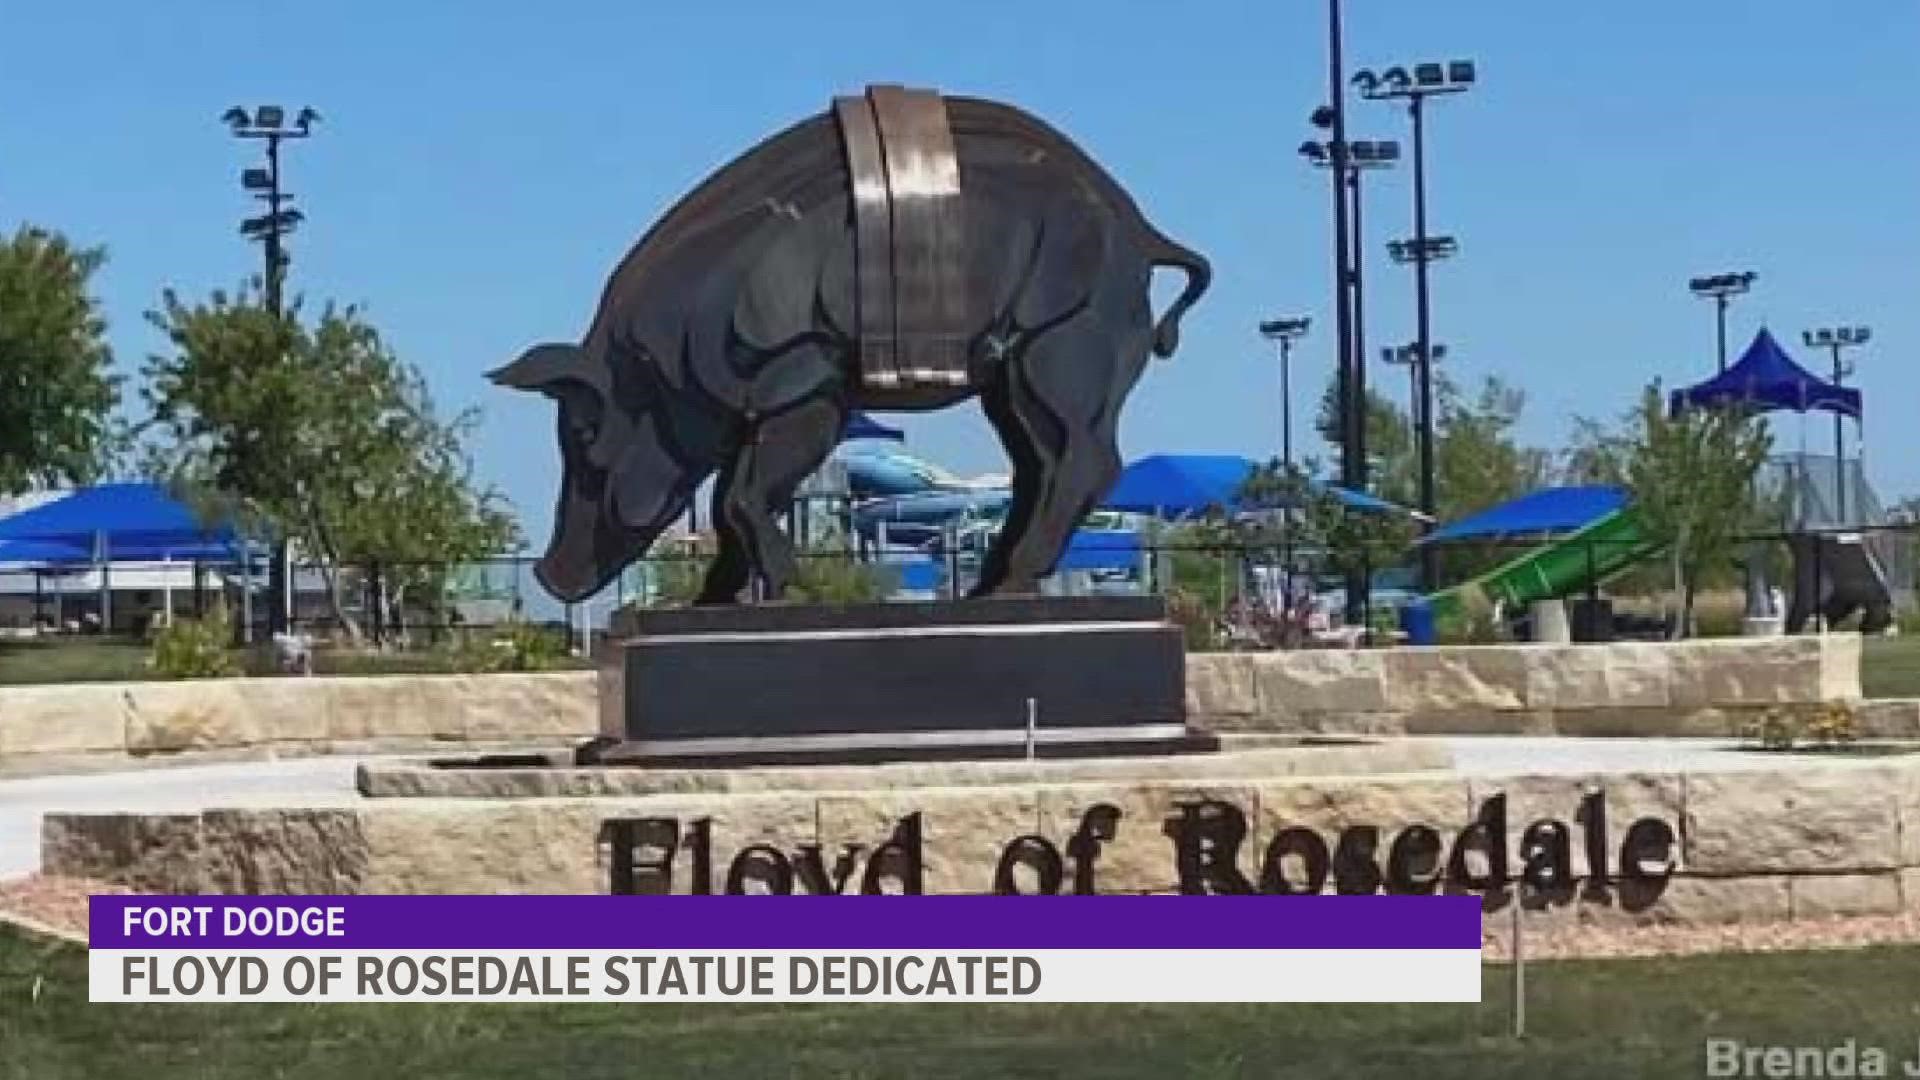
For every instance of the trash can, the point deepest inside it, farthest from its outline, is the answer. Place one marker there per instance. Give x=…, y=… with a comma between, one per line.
x=1416, y=621
x=1592, y=619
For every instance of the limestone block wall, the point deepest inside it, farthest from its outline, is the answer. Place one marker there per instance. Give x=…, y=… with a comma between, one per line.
x=1704, y=687
x=1692, y=847
x=1681, y=688
x=103, y=724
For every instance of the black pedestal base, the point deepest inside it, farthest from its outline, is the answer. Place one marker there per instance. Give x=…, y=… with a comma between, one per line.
x=1046, y=676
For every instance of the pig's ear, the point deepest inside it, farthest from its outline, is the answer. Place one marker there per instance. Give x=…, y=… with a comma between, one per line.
x=543, y=367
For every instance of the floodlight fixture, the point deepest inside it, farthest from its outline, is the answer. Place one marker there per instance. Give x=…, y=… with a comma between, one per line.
x=1423, y=249
x=1427, y=78
x=1285, y=329
x=1720, y=286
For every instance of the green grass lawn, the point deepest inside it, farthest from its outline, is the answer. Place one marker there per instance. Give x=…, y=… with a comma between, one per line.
x=1891, y=667
x=72, y=660
x=1617, y=1019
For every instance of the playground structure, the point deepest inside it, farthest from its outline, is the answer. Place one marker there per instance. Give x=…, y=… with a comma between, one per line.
x=1846, y=559
x=1598, y=538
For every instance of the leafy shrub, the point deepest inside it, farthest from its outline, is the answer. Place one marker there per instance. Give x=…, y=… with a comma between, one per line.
x=1470, y=622
x=194, y=649
x=1719, y=615
x=841, y=579
x=824, y=578
x=1828, y=726
x=676, y=572
x=1199, y=622
x=1833, y=724
x=514, y=646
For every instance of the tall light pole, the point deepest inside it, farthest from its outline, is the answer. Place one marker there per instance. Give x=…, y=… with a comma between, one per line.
x=1395, y=84
x=1408, y=356
x=1361, y=156
x=1284, y=332
x=1721, y=289
x=1419, y=252
x=269, y=122
x=1332, y=118
x=1837, y=339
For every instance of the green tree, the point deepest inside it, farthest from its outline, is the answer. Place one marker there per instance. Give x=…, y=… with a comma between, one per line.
x=1596, y=454
x=1692, y=478
x=1477, y=460
x=56, y=392
x=1285, y=508
x=320, y=435
x=1392, y=464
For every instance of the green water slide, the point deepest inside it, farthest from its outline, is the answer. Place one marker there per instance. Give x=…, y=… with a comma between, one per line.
x=1590, y=557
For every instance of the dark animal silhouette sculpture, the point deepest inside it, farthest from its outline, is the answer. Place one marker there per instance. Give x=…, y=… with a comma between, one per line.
x=900, y=251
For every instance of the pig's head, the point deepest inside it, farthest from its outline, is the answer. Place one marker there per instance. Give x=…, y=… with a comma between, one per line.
x=621, y=484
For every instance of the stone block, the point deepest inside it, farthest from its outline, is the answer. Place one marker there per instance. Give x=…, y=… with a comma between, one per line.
x=1889, y=718
x=1566, y=677
x=1801, y=819
x=1746, y=671
x=156, y=853
x=1825, y=896
x=1707, y=900
x=392, y=705
x=1142, y=856
x=290, y=712
x=1639, y=674
x=1611, y=722
x=1906, y=792
x=963, y=832
x=1333, y=808
x=315, y=852
x=549, y=846
x=1840, y=657
x=1617, y=675
x=209, y=714
x=1910, y=888
x=1298, y=682
x=1459, y=679
x=1220, y=688
x=1628, y=797
x=70, y=719
x=1487, y=721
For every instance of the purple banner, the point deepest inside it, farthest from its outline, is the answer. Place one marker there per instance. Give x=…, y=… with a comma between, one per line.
x=798, y=922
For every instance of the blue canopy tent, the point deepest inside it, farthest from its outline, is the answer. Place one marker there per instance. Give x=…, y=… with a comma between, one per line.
x=117, y=521
x=1767, y=379
x=1533, y=516
x=1184, y=485
x=107, y=523
x=1101, y=549
x=38, y=552
x=862, y=426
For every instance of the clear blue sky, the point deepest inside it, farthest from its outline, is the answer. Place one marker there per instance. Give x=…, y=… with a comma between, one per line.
x=482, y=166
